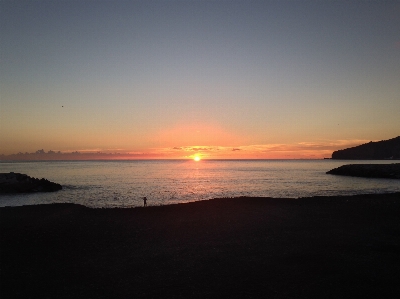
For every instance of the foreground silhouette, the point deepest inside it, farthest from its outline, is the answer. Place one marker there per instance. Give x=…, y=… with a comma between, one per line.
x=327, y=247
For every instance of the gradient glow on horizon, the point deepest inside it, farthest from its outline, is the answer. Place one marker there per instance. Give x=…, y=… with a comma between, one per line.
x=220, y=79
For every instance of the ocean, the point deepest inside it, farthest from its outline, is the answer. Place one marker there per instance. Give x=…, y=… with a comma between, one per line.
x=105, y=184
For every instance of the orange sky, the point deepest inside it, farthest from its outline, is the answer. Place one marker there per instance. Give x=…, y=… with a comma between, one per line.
x=302, y=150
x=223, y=79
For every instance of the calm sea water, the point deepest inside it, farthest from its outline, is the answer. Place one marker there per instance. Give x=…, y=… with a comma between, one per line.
x=124, y=183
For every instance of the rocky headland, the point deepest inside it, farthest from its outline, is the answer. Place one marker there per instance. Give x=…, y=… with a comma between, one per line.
x=381, y=150
x=388, y=171
x=22, y=183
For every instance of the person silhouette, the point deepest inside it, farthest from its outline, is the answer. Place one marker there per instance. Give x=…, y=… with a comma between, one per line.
x=145, y=201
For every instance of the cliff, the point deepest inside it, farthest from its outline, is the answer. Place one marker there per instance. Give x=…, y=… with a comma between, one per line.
x=386, y=149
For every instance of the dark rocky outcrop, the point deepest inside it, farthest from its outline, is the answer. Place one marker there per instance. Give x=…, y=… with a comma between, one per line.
x=22, y=183
x=386, y=149
x=389, y=171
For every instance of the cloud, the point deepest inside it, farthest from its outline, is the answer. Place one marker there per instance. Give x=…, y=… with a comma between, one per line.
x=203, y=149
x=302, y=150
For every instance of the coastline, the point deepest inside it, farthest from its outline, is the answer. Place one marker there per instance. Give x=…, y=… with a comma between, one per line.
x=125, y=184
x=238, y=247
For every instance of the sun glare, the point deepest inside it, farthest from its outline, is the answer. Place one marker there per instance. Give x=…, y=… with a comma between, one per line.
x=197, y=158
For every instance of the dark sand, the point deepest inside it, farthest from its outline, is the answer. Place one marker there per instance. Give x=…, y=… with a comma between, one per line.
x=346, y=247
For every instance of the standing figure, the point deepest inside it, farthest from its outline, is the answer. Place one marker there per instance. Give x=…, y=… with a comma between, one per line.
x=145, y=201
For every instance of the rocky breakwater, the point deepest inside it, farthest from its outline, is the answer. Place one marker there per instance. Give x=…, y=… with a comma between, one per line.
x=22, y=183
x=388, y=171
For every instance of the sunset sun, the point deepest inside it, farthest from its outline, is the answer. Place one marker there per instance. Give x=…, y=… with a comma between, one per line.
x=197, y=158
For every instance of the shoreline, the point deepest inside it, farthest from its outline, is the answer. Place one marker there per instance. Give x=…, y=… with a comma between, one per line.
x=323, y=246
x=122, y=207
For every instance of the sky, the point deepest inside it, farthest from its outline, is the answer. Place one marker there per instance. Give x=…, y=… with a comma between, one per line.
x=220, y=79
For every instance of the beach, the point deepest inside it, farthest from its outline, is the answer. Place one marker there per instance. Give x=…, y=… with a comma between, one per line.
x=316, y=247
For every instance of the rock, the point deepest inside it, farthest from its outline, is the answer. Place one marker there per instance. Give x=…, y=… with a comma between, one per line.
x=381, y=150
x=389, y=171
x=22, y=183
